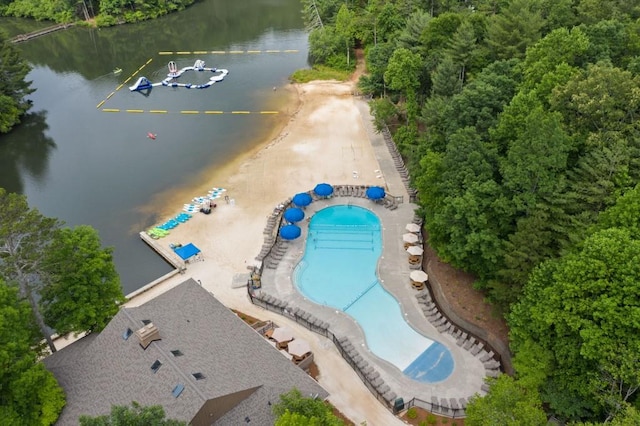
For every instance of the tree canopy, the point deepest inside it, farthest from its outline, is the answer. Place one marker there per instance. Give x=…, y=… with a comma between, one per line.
x=294, y=409
x=29, y=394
x=83, y=291
x=14, y=88
x=134, y=415
x=66, y=276
x=518, y=122
x=506, y=404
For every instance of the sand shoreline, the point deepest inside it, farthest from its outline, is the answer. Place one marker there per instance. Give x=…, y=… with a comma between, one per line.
x=323, y=139
x=167, y=204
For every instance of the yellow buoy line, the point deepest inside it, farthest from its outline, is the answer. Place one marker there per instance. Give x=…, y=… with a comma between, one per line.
x=186, y=112
x=121, y=85
x=195, y=52
x=224, y=52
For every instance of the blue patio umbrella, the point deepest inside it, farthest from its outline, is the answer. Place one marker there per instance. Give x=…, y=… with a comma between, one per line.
x=375, y=192
x=290, y=232
x=293, y=214
x=323, y=189
x=302, y=199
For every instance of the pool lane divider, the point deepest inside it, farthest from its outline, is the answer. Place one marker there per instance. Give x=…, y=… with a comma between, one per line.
x=121, y=85
x=358, y=297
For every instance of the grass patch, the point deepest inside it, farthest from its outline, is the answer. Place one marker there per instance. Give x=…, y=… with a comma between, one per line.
x=319, y=72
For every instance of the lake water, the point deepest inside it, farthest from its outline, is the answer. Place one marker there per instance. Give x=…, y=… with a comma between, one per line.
x=82, y=165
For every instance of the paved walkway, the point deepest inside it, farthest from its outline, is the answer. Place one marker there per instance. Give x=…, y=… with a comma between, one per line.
x=393, y=271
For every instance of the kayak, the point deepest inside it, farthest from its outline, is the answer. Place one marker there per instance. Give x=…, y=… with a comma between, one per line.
x=151, y=135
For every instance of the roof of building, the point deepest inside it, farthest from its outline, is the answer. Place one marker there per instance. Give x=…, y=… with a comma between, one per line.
x=221, y=361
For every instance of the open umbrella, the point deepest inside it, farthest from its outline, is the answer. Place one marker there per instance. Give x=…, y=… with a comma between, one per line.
x=415, y=250
x=323, y=189
x=375, y=192
x=410, y=238
x=412, y=227
x=298, y=348
x=282, y=334
x=418, y=276
x=293, y=214
x=302, y=199
x=290, y=232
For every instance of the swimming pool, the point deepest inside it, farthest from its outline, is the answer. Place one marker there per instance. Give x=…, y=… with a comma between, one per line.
x=339, y=270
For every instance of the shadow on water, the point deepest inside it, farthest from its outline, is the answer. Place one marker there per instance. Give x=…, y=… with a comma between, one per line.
x=26, y=151
x=85, y=166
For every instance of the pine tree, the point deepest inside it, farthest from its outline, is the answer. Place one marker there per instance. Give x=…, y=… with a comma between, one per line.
x=13, y=86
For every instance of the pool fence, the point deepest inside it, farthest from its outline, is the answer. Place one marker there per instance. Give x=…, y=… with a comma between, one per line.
x=448, y=407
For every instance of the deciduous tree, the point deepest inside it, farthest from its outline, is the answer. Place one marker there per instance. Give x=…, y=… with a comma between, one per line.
x=24, y=238
x=29, y=394
x=134, y=415
x=83, y=290
x=63, y=274
x=506, y=404
x=583, y=310
x=14, y=88
x=309, y=411
x=403, y=75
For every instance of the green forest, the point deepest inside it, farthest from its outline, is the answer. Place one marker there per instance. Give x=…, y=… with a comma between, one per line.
x=51, y=278
x=14, y=88
x=518, y=122
x=98, y=12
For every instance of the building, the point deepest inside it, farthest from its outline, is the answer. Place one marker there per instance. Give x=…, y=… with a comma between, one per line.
x=185, y=351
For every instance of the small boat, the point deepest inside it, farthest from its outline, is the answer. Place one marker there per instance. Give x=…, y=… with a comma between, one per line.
x=117, y=71
x=151, y=135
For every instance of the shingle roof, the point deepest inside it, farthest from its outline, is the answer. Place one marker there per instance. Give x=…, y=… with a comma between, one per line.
x=242, y=372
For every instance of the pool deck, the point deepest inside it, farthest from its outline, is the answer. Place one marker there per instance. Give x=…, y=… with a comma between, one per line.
x=232, y=237
x=393, y=270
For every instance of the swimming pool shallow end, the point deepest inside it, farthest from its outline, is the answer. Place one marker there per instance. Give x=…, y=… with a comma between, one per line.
x=338, y=269
x=433, y=365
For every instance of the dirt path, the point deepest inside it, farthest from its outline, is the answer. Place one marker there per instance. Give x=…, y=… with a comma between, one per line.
x=360, y=66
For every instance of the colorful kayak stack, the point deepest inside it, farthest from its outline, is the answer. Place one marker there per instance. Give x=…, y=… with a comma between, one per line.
x=160, y=231
x=197, y=202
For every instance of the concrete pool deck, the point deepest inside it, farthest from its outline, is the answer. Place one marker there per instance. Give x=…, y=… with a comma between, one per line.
x=468, y=374
x=393, y=271
x=328, y=137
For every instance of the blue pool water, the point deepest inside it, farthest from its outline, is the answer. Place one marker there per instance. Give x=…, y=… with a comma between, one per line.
x=339, y=270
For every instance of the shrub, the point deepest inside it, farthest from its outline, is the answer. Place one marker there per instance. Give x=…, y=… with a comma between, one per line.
x=431, y=419
x=412, y=413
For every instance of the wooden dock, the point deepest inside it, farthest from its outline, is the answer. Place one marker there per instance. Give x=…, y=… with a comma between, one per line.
x=168, y=254
x=25, y=37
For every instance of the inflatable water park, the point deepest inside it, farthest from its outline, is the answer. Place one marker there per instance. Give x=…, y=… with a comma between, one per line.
x=143, y=83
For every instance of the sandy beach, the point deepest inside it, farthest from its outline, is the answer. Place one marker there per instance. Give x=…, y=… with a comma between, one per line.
x=322, y=139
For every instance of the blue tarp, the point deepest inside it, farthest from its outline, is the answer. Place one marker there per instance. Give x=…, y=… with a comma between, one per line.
x=185, y=252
